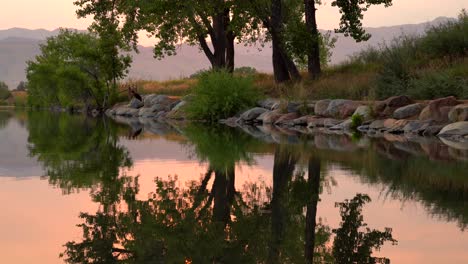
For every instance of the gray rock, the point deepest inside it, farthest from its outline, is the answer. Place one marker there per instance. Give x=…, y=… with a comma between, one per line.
x=284, y=119
x=432, y=130
x=416, y=126
x=252, y=114
x=268, y=103
x=458, y=129
x=335, y=107
x=151, y=99
x=459, y=113
x=408, y=111
x=330, y=122
x=438, y=109
x=315, y=122
x=364, y=111
x=293, y=107
x=269, y=117
x=321, y=107
x=135, y=103
x=126, y=111
x=146, y=112
x=345, y=125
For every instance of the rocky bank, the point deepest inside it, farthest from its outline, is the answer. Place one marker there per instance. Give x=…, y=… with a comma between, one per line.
x=446, y=117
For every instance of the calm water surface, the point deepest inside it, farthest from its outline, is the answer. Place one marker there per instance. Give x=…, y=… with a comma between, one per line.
x=82, y=190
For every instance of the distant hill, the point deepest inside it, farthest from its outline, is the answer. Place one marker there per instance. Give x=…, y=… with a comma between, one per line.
x=18, y=45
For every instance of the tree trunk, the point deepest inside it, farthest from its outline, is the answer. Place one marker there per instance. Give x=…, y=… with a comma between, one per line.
x=313, y=52
x=230, y=51
x=219, y=43
x=311, y=214
x=283, y=66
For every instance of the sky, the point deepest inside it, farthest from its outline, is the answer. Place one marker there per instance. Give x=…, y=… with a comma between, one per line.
x=51, y=14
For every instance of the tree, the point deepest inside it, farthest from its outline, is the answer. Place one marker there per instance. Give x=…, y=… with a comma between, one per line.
x=21, y=86
x=350, y=25
x=4, y=92
x=75, y=68
x=174, y=22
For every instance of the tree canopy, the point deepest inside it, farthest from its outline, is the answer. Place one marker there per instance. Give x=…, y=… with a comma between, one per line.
x=75, y=68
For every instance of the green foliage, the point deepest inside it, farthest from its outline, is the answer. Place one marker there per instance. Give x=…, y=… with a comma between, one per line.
x=74, y=68
x=352, y=14
x=438, y=84
x=356, y=121
x=4, y=91
x=354, y=241
x=245, y=71
x=449, y=39
x=219, y=95
x=423, y=67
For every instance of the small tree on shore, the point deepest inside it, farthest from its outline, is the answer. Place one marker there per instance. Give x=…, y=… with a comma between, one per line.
x=74, y=68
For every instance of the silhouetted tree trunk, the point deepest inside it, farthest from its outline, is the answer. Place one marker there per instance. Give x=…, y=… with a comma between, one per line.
x=313, y=183
x=283, y=66
x=313, y=53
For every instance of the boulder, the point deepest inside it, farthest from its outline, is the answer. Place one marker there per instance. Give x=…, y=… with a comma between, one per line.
x=293, y=107
x=408, y=111
x=315, y=122
x=438, y=109
x=340, y=108
x=268, y=103
x=135, y=103
x=330, y=122
x=269, y=117
x=345, y=125
x=398, y=101
x=365, y=111
x=387, y=107
x=251, y=114
x=417, y=126
x=321, y=107
x=302, y=121
x=458, y=129
x=283, y=119
x=397, y=127
x=126, y=111
x=459, y=113
x=146, y=112
x=432, y=130
x=159, y=102
x=178, y=111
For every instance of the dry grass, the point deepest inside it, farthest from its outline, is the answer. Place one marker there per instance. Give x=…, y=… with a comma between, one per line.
x=171, y=87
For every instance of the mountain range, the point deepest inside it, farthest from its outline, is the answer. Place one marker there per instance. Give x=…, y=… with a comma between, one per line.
x=18, y=45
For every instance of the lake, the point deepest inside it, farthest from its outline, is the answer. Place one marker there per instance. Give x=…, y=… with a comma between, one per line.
x=91, y=190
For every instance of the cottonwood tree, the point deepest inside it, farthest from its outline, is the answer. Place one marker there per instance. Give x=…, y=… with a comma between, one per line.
x=203, y=23
x=352, y=13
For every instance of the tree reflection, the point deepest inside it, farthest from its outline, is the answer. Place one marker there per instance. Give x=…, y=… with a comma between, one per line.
x=209, y=221
x=78, y=152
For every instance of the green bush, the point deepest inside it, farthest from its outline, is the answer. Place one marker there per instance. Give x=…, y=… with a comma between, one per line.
x=219, y=95
x=436, y=85
x=356, y=121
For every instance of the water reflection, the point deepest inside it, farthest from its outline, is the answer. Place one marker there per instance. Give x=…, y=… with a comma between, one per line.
x=211, y=220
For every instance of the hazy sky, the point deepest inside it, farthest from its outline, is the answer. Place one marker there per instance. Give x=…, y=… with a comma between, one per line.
x=51, y=14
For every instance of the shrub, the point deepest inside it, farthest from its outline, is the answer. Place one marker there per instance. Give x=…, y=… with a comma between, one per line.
x=356, y=121
x=219, y=95
x=435, y=85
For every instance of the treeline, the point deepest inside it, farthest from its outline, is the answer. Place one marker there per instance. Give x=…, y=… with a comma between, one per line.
x=84, y=67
